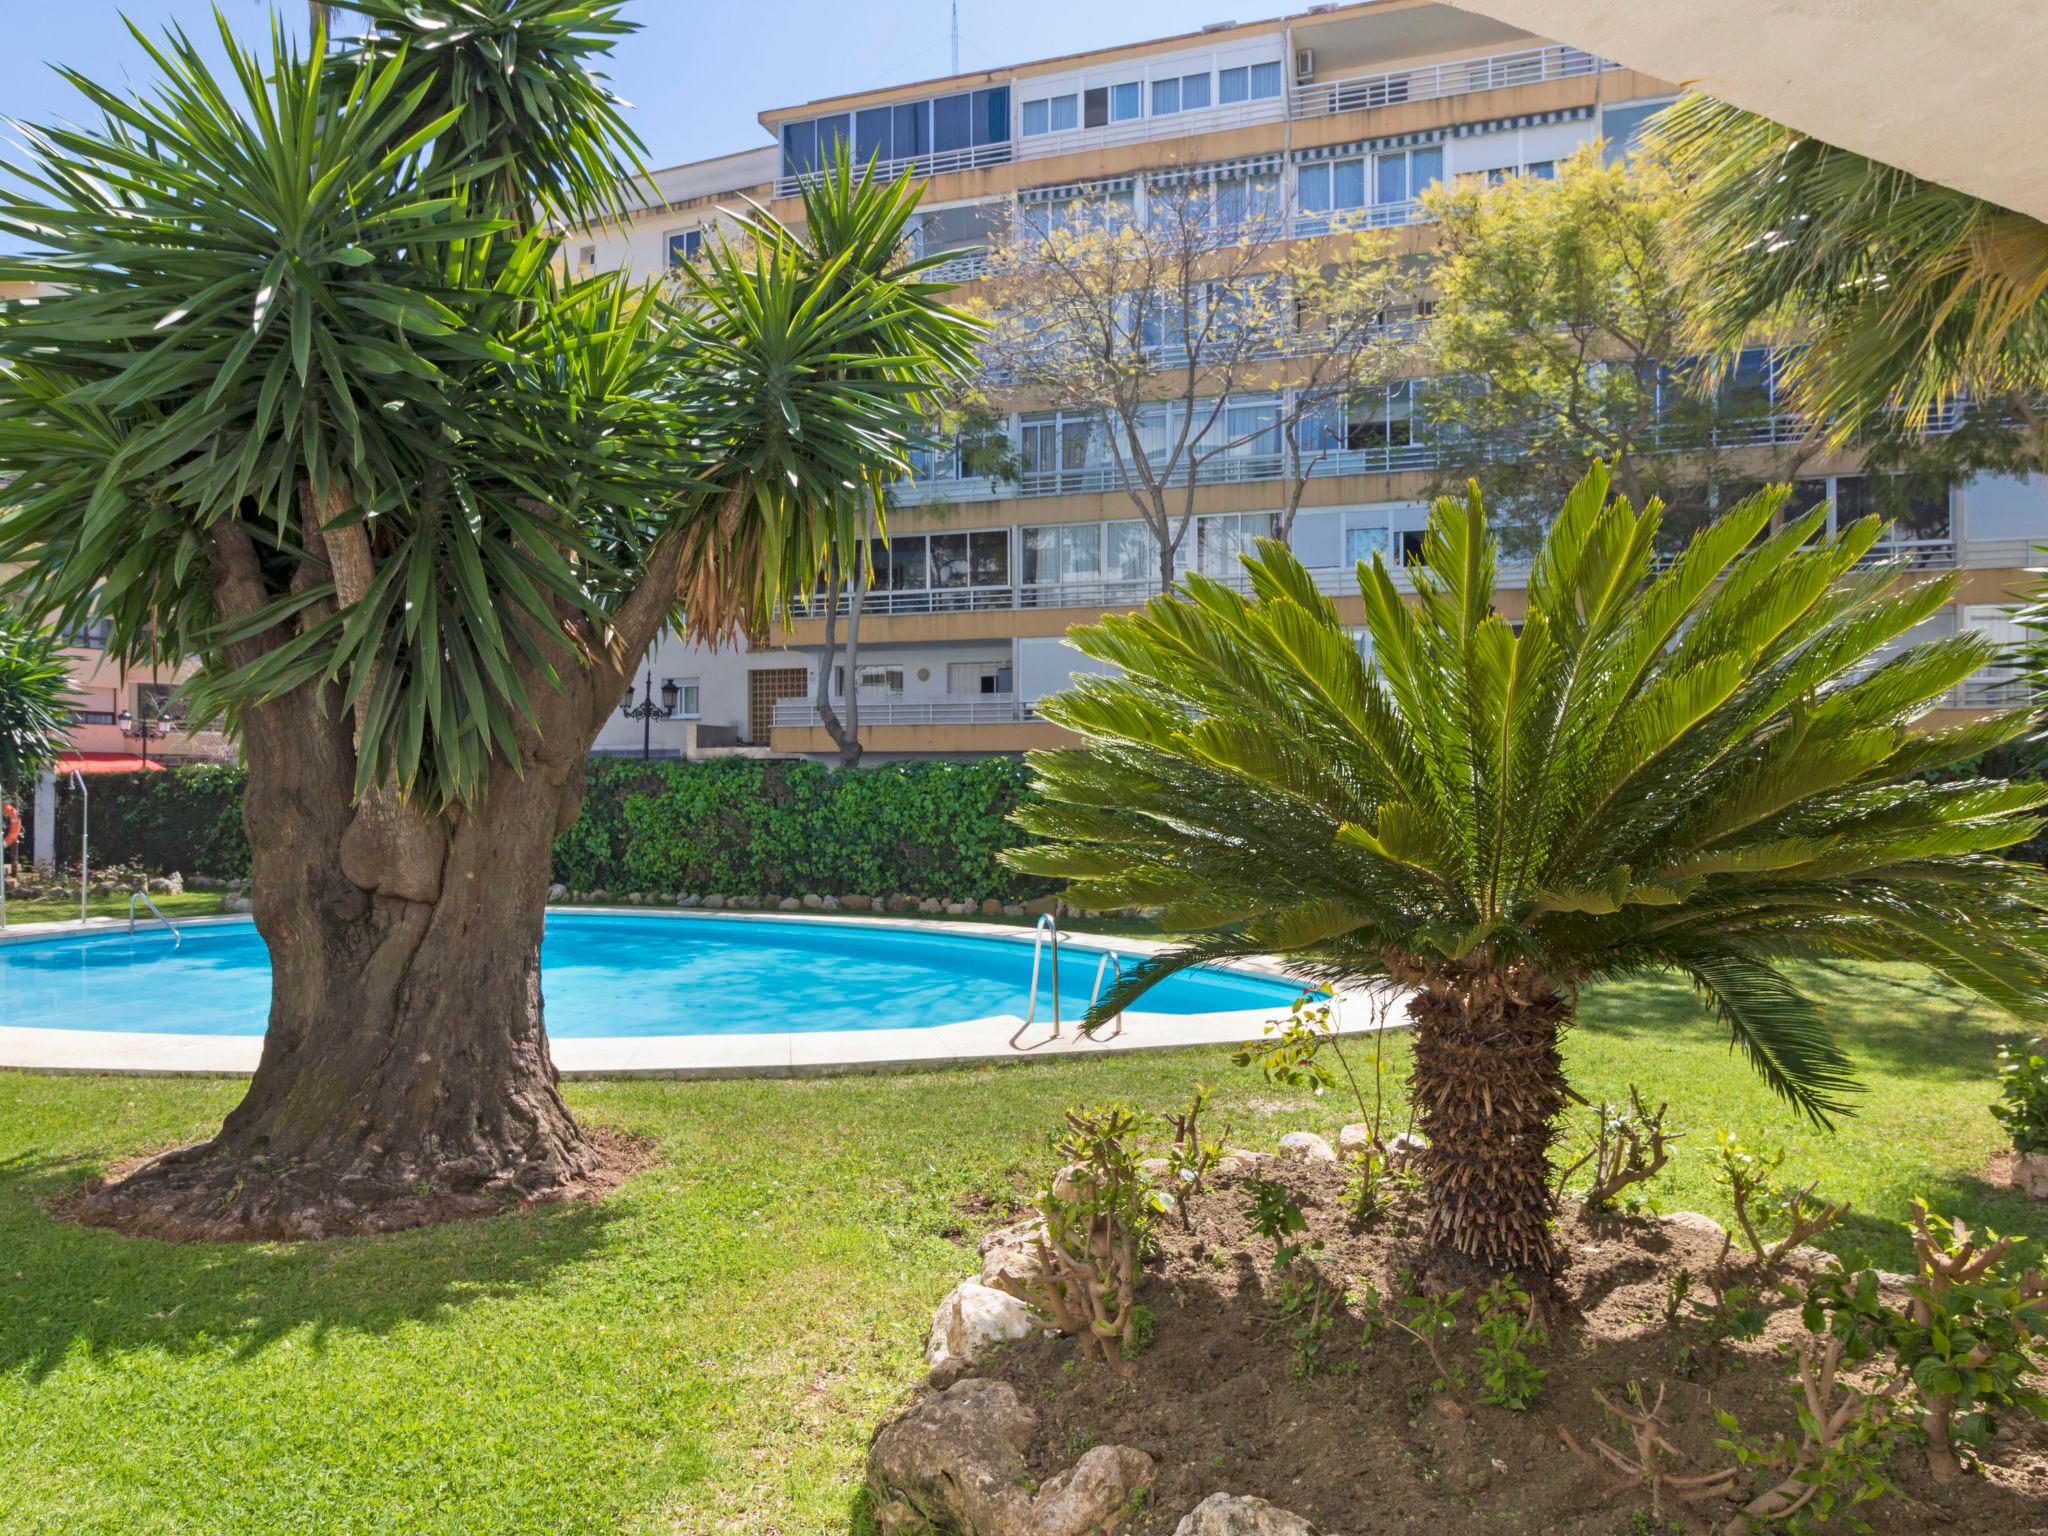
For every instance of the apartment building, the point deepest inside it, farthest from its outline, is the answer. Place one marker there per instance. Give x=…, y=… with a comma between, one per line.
x=1342, y=113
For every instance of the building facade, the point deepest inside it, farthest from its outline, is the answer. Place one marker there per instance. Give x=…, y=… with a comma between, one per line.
x=1339, y=115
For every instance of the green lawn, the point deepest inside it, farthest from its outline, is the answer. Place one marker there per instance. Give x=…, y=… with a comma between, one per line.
x=190, y=904
x=707, y=1350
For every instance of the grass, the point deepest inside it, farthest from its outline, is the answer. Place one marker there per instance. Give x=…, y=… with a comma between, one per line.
x=113, y=904
x=708, y=1350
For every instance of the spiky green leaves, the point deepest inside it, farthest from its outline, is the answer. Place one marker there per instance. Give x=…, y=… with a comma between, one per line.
x=35, y=697
x=1712, y=765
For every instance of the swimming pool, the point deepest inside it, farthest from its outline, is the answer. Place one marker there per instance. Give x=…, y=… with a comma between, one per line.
x=618, y=975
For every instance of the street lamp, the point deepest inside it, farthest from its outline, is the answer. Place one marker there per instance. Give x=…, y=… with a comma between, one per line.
x=647, y=712
x=148, y=726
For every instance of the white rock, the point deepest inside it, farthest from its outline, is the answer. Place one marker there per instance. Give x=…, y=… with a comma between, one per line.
x=1240, y=1514
x=1354, y=1140
x=814, y=901
x=1405, y=1148
x=1308, y=1147
x=689, y=899
x=2030, y=1173
x=1090, y=1493
x=830, y=904
x=1693, y=1221
x=558, y=892
x=789, y=904
x=714, y=902
x=971, y=1318
x=1010, y=1262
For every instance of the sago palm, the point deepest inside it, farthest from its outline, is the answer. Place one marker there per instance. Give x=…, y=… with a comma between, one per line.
x=1708, y=768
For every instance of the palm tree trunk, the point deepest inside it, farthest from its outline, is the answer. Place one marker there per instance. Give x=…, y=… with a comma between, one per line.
x=1489, y=1086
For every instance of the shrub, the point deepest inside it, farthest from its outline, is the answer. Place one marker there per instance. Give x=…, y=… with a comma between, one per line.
x=1097, y=1212
x=784, y=828
x=2023, y=1085
x=1507, y=1330
x=1766, y=1207
x=732, y=825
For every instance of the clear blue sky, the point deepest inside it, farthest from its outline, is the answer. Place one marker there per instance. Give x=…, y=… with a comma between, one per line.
x=696, y=74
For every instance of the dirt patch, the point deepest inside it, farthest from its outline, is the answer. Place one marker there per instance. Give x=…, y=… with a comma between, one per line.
x=620, y=1155
x=1365, y=1444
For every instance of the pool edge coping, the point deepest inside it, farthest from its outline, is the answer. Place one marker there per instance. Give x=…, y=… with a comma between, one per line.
x=782, y=1055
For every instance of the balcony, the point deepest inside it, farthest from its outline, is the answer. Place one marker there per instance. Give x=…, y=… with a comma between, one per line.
x=1223, y=469
x=1141, y=130
x=1374, y=216
x=998, y=709
x=1458, y=77
x=934, y=163
x=964, y=268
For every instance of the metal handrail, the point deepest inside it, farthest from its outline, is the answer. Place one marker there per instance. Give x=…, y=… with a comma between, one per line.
x=1109, y=958
x=1046, y=925
x=177, y=938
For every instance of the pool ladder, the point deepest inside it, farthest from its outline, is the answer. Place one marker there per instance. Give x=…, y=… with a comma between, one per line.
x=177, y=938
x=1047, y=935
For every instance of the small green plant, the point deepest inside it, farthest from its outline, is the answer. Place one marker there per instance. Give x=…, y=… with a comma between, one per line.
x=1372, y=1315
x=1507, y=1330
x=1096, y=1216
x=1837, y=1462
x=1773, y=1217
x=1738, y=1311
x=2023, y=1086
x=1191, y=1158
x=1433, y=1319
x=1677, y=1291
x=1311, y=1334
x=1142, y=1325
x=1629, y=1146
x=1367, y=1186
x=1291, y=1054
x=1275, y=1213
x=1968, y=1340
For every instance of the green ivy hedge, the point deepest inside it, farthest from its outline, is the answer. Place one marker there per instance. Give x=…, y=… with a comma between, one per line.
x=733, y=825
x=780, y=829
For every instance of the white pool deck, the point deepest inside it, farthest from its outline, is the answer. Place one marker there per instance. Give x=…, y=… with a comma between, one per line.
x=971, y=1042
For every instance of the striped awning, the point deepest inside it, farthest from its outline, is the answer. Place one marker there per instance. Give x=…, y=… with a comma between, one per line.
x=1072, y=190
x=1220, y=170
x=1368, y=146
x=1524, y=120
x=1438, y=135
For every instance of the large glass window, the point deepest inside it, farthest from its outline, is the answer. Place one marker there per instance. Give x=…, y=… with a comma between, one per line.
x=1165, y=97
x=683, y=245
x=1393, y=179
x=911, y=128
x=799, y=148
x=1095, y=107
x=1223, y=538
x=992, y=115
x=1194, y=92
x=1265, y=81
x=874, y=134
x=1233, y=85
x=1251, y=428
x=1128, y=551
x=953, y=122
x=1035, y=118
x=1126, y=101
x=1622, y=126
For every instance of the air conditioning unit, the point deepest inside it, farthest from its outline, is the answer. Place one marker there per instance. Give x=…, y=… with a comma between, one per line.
x=1304, y=65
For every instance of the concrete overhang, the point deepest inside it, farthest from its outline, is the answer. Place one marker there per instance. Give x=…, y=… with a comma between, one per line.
x=1949, y=92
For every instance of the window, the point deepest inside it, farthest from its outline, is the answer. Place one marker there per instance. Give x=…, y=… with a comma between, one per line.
x=1223, y=537
x=799, y=148
x=587, y=256
x=1364, y=543
x=992, y=115
x=1396, y=178
x=953, y=122
x=874, y=134
x=1053, y=448
x=982, y=679
x=690, y=694
x=1066, y=113
x=1622, y=126
x=1265, y=81
x=977, y=559
x=1126, y=101
x=1542, y=170
x=1165, y=96
x=910, y=130
x=1383, y=419
x=1251, y=429
x=1233, y=85
x=683, y=245
x=1243, y=200
x=1095, y=107
x=1194, y=92
x=873, y=682
x=1037, y=118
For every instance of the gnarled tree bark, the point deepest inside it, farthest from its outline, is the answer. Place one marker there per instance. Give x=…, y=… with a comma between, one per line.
x=405, y=1075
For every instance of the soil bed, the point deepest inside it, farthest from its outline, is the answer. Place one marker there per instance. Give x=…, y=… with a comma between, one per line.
x=1365, y=1446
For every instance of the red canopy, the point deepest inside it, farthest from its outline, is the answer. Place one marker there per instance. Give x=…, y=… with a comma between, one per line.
x=106, y=762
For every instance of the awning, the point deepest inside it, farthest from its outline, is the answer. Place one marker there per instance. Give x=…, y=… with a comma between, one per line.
x=106, y=762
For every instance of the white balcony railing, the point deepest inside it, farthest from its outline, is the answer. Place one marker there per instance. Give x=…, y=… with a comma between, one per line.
x=1140, y=130
x=1456, y=77
x=1373, y=216
x=964, y=268
x=984, y=709
x=936, y=163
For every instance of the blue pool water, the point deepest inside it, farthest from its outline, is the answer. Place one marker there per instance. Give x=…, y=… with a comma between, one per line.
x=603, y=974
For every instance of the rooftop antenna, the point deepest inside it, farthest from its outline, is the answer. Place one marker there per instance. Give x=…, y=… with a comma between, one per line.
x=956, y=36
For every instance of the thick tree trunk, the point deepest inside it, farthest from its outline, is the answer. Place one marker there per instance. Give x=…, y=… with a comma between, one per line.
x=1489, y=1087
x=405, y=1075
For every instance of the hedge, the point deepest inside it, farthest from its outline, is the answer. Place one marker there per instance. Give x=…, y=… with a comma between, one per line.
x=744, y=827
x=733, y=825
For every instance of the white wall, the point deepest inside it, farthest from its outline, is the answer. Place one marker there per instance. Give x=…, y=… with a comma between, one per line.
x=1047, y=665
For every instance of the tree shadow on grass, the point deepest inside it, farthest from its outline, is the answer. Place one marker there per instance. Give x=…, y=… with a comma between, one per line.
x=66, y=1288
x=1879, y=1239
x=1894, y=1020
